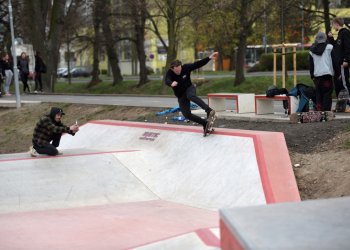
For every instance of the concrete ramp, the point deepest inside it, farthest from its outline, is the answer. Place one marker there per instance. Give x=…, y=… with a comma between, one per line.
x=161, y=183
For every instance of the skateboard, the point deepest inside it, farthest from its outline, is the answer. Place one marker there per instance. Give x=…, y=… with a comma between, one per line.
x=343, y=98
x=209, y=128
x=311, y=116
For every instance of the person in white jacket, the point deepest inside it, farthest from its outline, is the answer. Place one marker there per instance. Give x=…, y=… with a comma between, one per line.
x=321, y=71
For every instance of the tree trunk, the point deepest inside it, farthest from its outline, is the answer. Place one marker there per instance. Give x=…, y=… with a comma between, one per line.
x=54, y=44
x=110, y=44
x=95, y=79
x=242, y=42
x=239, y=79
x=140, y=21
x=220, y=61
x=68, y=62
x=47, y=40
x=172, y=40
x=327, y=21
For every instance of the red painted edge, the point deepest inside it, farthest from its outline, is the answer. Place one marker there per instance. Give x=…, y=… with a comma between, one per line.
x=66, y=155
x=228, y=239
x=208, y=237
x=231, y=96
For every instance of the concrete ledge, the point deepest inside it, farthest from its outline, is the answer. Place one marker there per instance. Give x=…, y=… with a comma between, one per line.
x=321, y=224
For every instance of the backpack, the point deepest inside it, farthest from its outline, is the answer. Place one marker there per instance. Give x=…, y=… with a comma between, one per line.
x=273, y=90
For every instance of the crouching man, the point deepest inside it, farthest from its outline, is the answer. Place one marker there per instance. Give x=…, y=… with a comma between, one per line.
x=47, y=133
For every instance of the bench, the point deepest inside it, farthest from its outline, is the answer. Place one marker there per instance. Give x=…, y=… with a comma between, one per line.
x=244, y=102
x=265, y=105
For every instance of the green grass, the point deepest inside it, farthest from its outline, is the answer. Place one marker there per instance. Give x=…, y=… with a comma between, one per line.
x=126, y=87
x=257, y=85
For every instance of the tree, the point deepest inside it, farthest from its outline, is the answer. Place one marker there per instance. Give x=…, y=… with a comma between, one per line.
x=174, y=13
x=248, y=12
x=97, y=14
x=327, y=20
x=138, y=19
x=45, y=33
x=110, y=42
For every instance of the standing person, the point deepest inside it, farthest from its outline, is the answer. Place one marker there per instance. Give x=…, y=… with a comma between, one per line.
x=7, y=72
x=321, y=71
x=178, y=77
x=39, y=69
x=23, y=66
x=342, y=55
x=48, y=131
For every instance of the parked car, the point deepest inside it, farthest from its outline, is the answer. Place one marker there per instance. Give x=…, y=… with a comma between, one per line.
x=78, y=72
x=61, y=72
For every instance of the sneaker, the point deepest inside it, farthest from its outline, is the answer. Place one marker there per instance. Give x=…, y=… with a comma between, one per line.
x=8, y=94
x=33, y=152
x=59, y=153
x=210, y=113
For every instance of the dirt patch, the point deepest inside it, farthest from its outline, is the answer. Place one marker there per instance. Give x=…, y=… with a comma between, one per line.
x=322, y=150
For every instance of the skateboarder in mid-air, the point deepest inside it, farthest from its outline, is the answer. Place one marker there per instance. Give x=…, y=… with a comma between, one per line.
x=49, y=129
x=178, y=77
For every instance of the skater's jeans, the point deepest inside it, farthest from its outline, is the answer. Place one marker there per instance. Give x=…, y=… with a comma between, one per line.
x=49, y=149
x=8, y=75
x=324, y=89
x=185, y=105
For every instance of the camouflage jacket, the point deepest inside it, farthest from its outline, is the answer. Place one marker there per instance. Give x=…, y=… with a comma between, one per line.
x=45, y=128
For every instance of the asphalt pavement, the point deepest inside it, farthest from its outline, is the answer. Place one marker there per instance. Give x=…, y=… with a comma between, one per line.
x=120, y=100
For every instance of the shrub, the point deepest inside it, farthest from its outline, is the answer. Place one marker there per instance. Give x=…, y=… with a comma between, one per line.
x=266, y=62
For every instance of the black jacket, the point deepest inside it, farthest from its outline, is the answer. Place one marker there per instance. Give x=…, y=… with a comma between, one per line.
x=184, y=79
x=341, y=46
x=23, y=65
x=38, y=64
x=6, y=65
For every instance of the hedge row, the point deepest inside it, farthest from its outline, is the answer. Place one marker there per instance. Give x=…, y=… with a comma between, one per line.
x=266, y=62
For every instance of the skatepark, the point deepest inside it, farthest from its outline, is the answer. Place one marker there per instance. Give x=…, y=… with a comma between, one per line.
x=125, y=185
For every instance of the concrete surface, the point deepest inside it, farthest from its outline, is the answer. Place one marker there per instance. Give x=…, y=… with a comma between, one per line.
x=123, y=185
x=319, y=224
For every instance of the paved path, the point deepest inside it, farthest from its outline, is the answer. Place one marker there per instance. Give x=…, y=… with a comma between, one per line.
x=138, y=101
x=209, y=76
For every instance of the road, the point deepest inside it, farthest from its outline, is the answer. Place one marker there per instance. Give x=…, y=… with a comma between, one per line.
x=120, y=100
x=208, y=76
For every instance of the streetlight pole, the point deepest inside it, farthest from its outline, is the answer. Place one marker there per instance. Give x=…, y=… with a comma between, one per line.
x=15, y=71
